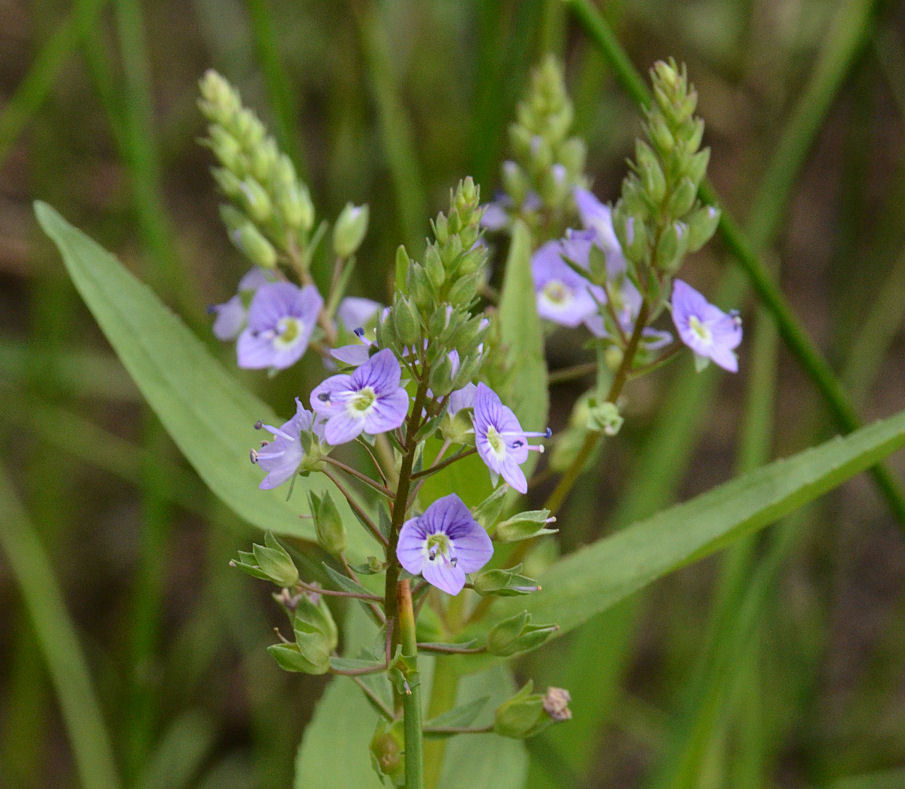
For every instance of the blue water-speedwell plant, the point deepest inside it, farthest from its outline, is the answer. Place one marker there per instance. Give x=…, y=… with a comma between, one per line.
x=408, y=457
x=414, y=391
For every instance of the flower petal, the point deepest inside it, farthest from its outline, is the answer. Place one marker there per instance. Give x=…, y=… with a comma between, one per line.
x=444, y=576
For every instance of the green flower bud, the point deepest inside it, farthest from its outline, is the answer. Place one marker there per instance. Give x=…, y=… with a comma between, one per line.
x=284, y=171
x=228, y=150
x=604, y=418
x=671, y=247
x=525, y=526
x=420, y=288
x=264, y=158
x=488, y=512
x=517, y=634
x=328, y=526
x=660, y=134
x=465, y=288
x=433, y=265
x=290, y=658
x=403, y=263
x=295, y=206
x=386, y=332
x=696, y=166
x=702, y=224
x=273, y=560
x=632, y=234
x=515, y=182
x=228, y=183
x=407, y=321
x=249, y=240
x=219, y=100
x=573, y=153
x=256, y=201
x=521, y=716
x=248, y=129
x=440, y=378
x=314, y=617
x=388, y=751
x=682, y=198
x=504, y=583
x=349, y=231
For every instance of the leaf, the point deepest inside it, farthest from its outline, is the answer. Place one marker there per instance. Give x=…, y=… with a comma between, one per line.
x=522, y=336
x=354, y=664
x=458, y=716
x=206, y=412
x=479, y=760
x=596, y=577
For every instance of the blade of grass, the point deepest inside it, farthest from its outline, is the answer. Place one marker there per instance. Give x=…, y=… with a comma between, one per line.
x=33, y=89
x=395, y=126
x=281, y=95
x=59, y=642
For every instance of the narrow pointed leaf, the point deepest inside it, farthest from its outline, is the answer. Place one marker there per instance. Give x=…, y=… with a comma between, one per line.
x=596, y=577
x=206, y=412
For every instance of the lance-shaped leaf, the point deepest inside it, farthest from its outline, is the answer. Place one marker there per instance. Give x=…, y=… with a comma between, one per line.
x=206, y=412
x=594, y=578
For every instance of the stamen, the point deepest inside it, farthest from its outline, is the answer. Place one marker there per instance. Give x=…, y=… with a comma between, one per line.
x=254, y=455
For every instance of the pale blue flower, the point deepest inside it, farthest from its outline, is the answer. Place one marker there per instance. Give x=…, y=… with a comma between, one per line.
x=709, y=332
x=282, y=456
x=444, y=544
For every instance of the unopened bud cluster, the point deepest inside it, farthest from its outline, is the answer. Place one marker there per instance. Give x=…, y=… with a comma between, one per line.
x=548, y=163
x=659, y=218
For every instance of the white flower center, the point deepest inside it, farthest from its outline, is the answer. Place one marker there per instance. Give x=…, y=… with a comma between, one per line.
x=496, y=441
x=361, y=402
x=702, y=331
x=438, y=547
x=557, y=293
x=289, y=332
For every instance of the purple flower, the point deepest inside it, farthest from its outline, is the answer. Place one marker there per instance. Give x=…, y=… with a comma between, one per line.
x=499, y=438
x=563, y=295
x=443, y=544
x=354, y=312
x=598, y=217
x=280, y=321
x=281, y=457
x=707, y=330
x=231, y=314
x=370, y=400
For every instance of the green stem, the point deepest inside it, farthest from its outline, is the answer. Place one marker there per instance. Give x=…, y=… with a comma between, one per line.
x=411, y=700
x=558, y=496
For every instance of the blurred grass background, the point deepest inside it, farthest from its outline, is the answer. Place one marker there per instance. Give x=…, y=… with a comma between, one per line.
x=128, y=648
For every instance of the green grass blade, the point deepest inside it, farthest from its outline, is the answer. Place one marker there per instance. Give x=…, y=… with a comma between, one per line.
x=59, y=643
x=204, y=410
x=43, y=72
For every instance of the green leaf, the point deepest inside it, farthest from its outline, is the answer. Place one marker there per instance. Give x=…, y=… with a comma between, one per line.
x=206, y=412
x=596, y=577
x=458, y=716
x=523, y=340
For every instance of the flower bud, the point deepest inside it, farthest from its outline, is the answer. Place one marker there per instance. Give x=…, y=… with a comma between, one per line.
x=671, y=247
x=328, y=526
x=271, y=561
x=523, y=715
x=515, y=182
x=433, y=265
x=290, y=658
x=441, y=377
x=573, y=153
x=702, y=224
x=228, y=183
x=255, y=200
x=249, y=240
x=632, y=234
x=524, y=526
x=314, y=617
x=696, y=166
x=406, y=321
x=295, y=206
x=465, y=288
x=517, y=634
x=388, y=751
x=349, y=231
x=660, y=134
x=604, y=418
x=420, y=288
x=504, y=583
x=227, y=149
x=264, y=158
x=682, y=198
x=403, y=262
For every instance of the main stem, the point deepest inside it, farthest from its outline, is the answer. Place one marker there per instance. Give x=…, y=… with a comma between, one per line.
x=411, y=700
x=398, y=602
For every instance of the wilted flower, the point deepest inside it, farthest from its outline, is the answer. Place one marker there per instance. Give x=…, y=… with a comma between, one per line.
x=499, y=438
x=280, y=321
x=369, y=400
x=444, y=544
x=707, y=330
